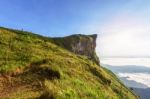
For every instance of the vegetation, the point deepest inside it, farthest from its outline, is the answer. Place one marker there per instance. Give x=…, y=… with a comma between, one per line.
x=32, y=66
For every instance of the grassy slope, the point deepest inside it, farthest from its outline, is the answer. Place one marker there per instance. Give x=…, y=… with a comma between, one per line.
x=31, y=66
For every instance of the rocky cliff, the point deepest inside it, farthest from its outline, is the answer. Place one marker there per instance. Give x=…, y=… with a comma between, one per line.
x=80, y=44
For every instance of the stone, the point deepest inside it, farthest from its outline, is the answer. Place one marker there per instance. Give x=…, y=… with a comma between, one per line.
x=80, y=44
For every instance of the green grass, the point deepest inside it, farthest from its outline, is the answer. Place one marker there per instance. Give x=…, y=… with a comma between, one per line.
x=33, y=66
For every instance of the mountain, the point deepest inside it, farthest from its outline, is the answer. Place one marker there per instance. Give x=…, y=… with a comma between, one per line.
x=38, y=67
x=143, y=92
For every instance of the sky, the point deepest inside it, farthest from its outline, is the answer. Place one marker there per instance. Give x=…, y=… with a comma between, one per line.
x=122, y=26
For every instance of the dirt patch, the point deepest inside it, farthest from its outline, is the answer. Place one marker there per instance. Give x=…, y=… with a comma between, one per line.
x=47, y=73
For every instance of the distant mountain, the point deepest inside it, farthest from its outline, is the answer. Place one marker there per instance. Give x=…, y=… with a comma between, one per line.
x=128, y=68
x=144, y=93
x=38, y=67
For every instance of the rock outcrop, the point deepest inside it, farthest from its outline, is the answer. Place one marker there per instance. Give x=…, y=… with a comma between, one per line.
x=80, y=44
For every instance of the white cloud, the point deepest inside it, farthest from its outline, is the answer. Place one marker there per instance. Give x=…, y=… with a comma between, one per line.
x=143, y=78
x=124, y=35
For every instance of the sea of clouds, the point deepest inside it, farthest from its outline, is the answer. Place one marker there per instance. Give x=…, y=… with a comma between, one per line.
x=142, y=77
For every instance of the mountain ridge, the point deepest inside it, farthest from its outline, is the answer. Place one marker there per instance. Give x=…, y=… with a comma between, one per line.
x=34, y=66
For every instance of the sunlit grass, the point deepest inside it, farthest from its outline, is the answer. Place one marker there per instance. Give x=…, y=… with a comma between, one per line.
x=50, y=71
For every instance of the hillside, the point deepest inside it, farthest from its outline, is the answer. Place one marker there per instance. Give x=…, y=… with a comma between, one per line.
x=33, y=66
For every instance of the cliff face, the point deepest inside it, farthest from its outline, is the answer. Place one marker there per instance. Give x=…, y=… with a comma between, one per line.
x=80, y=44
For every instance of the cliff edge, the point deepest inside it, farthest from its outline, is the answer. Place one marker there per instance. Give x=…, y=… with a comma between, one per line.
x=80, y=44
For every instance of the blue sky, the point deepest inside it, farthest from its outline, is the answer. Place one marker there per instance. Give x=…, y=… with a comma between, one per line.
x=57, y=17
x=122, y=25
